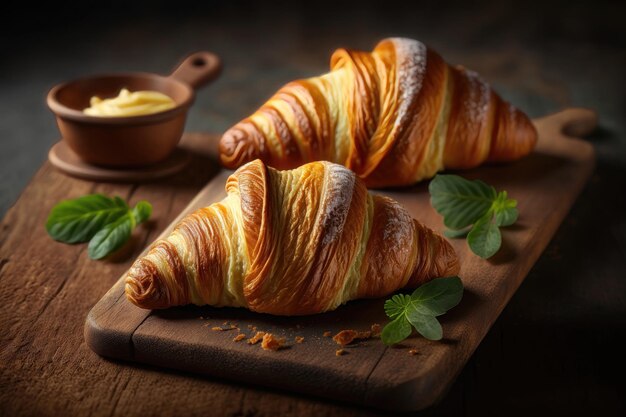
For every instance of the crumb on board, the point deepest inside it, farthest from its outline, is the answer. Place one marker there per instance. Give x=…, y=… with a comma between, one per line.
x=340, y=352
x=239, y=337
x=271, y=342
x=251, y=327
x=223, y=329
x=299, y=339
x=363, y=335
x=376, y=330
x=412, y=352
x=256, y=338
x=345, y=337
x=327, y=334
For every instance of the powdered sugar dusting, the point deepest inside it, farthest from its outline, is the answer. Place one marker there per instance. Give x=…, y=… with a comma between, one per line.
x=397, y=229
x=477, y=100
x=411, y=67
x=339, y=190
x=512, y=111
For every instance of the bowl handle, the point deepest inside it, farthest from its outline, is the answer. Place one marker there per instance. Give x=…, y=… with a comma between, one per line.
x=198, y=69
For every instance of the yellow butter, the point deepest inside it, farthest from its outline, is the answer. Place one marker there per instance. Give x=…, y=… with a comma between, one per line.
x=130, y=104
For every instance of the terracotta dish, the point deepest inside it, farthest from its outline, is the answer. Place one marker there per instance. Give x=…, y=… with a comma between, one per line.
x=129, y=141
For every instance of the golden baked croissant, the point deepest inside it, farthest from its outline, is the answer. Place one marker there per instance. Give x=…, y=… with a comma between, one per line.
x=290, y=243
x=394, y=116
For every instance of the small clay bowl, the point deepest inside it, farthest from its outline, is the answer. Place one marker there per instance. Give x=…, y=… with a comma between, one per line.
x=134, y=141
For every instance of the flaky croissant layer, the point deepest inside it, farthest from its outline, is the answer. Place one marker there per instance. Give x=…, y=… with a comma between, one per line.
x=293, y=242
x=395, y=116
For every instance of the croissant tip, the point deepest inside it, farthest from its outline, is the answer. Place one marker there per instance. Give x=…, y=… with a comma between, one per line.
x=449, y=260
x=453, y=267
x=228, y=147
x=238, y=145
x=143, y=290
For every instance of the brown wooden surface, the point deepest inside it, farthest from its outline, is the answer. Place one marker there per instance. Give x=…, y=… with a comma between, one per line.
x=556, y=348
x=48, y=288
x=545, y=184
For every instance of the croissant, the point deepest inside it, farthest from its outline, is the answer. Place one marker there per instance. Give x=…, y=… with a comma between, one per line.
x=394, y=116
x=293, y=242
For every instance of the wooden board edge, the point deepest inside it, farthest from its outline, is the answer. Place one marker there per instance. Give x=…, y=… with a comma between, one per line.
x=114, y=342
x=98, y=337
x=407, y=395
x=290, y=376
x=107, y=341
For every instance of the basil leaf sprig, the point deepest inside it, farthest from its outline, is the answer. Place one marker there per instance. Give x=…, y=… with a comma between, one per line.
x=420, y=310
x=106, y=223
x=475, y=209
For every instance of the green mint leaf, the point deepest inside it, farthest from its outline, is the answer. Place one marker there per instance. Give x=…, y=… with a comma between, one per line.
x=453, y=234
x=505, y=210
x=420, y=310
x=506, y=217
x=461, y=202
x=484, y=239
x=397, y=305
x=106, y=223
x=396, y=331
x=111, y=237
x=465, y=203
x=427, y=326
x=142, y=211
x=437, y=296
x=78, y=220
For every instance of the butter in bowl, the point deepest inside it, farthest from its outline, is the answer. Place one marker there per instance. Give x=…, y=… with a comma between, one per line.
x=129, y=120
x=128, y=104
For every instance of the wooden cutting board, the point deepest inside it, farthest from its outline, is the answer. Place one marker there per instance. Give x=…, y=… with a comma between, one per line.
x=545, y=184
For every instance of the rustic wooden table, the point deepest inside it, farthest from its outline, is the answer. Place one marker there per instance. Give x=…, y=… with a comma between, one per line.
x=557, y=347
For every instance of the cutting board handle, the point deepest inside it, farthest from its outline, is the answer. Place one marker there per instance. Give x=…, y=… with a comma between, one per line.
x=566, y=124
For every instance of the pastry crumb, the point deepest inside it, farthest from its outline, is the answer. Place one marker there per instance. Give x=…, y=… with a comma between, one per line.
x=239, y=337
x=340, y=352
x=271, y=342
x=256, y=338
x=327, y=334
x=376, y=330
x=299, y=339
x=413, y=352
x=363, y=335
x=223, y=329
x=345, y=337
x=251, y=327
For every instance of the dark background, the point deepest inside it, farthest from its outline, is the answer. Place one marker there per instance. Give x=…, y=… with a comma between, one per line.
x=558, y=346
